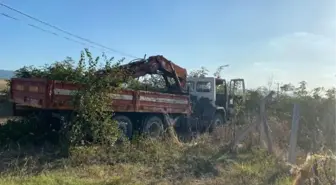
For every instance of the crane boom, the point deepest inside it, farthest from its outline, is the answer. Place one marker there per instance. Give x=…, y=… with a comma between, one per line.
x=157, y=65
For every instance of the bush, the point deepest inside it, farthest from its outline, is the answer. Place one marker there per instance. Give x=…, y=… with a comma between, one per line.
x=92, y=118
x=32, y=129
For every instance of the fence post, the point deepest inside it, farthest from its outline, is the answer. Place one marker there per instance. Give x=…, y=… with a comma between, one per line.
x=264, y=130
x=260, y=124
x=294, y=134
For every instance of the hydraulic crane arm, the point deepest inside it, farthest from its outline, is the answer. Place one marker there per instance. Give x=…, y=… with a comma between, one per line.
x=158, y=65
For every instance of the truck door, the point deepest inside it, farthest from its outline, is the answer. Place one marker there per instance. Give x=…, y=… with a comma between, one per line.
x=236, y=93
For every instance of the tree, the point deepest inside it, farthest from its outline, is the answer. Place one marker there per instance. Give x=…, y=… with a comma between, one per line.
x=199, y=73
x=302, y=89
x=317, y=92
x=330, y=93
x=287, y=87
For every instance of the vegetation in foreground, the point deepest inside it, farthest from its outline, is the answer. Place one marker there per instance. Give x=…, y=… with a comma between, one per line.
x=92, y=156
x=144, y=162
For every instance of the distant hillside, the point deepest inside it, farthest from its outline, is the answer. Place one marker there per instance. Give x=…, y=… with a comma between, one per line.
x=6, y=74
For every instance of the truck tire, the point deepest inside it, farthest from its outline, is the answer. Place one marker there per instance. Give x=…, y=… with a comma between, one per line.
x=216, y=121
x=153, y=127
x=124, y=124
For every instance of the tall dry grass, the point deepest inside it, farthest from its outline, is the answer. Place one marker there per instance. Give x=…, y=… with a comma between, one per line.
x=205, y=160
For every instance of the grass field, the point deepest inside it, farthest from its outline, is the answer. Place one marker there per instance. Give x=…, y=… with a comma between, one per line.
x=147, y=163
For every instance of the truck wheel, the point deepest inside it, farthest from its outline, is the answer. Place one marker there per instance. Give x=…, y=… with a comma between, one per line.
x=217, y=121
x=124, y=124
x=153, y=127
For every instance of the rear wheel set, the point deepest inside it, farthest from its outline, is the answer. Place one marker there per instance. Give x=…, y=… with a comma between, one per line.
x=125, y=125
x=152, y=127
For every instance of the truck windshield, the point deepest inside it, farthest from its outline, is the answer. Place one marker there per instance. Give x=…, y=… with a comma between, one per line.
x=203, y=86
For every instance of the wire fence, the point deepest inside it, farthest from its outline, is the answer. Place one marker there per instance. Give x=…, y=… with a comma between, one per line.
x=287, y=141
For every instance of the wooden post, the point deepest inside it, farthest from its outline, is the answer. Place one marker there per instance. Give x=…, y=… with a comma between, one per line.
x=265, y=129
x=261, y=125
x=293, y=135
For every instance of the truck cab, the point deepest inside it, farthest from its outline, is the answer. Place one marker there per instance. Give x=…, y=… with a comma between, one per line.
x=221, y=95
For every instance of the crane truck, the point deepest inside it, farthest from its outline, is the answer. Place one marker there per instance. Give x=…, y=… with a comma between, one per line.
x=195, y=102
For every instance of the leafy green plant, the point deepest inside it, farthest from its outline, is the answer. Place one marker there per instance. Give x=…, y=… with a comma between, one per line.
x=92, y=118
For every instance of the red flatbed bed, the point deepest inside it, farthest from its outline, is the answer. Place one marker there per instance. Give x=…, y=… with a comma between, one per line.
x=56, y=95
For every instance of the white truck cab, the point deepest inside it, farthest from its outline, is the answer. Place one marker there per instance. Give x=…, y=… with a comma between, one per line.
x=221, y=94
